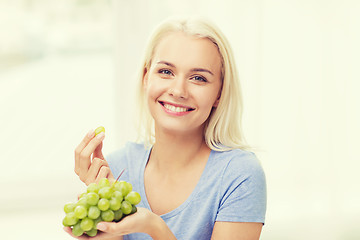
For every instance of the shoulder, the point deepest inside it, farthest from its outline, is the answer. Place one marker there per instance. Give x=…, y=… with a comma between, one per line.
x=242, y=187
x=238, y=162
x=240, y=169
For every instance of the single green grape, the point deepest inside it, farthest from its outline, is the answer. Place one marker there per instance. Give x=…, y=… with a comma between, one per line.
x=108, y=215
x=123, y=187
x=87, y=224
x=105, y=192
x=80, y=211
x=126, y=207
x=93, y=187
x=99, y=130
x=133, y=198
x=65, y=223
x=92, y=198
x=118, y=215
x=77, y=230
x=70, y=219
x=104, y=182
x=134, y=209
x=69, y=207
x=118, y=195
x=130, y=187
x=82, y=195
x=103, y=204
x=94, y=212
x=92, y=232
x=115, y=204
x=83, y=202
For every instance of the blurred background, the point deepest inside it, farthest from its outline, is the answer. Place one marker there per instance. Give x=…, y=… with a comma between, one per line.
x=68, y=66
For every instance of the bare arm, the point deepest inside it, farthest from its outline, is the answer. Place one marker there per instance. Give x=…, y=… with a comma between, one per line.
x=236, y=231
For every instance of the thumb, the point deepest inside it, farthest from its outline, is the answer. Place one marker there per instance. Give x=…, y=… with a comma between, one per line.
x=102, y=226
x=109, y=227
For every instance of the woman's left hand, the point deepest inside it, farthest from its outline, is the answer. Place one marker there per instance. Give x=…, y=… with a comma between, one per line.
x=143, y=221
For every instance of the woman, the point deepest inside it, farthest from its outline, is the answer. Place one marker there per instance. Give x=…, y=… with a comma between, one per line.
x=192, y=170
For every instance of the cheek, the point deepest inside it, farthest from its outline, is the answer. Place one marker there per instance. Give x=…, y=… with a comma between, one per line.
x=153, y=90
x=208, y=98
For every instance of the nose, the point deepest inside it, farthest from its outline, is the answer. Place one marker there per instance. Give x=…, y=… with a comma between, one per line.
x=178, y=88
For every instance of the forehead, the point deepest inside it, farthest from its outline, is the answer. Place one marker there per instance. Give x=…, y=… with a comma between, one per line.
x=188, y=51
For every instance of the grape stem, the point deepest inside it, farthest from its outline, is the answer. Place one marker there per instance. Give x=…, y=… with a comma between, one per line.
x=112, y=186
x=119, y=175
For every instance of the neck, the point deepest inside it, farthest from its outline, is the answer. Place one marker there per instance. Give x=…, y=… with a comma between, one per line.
x=177, y=151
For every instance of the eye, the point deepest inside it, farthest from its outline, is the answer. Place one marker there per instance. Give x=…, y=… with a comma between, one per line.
x=165, y=71
x=199, y=79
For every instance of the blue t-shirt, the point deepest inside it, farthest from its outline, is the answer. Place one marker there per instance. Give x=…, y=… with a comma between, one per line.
x=232, y=188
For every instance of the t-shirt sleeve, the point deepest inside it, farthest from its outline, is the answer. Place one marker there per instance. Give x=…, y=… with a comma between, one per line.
x=243, y=196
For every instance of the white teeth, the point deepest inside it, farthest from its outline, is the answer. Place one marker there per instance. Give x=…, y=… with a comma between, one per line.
x=175, y=109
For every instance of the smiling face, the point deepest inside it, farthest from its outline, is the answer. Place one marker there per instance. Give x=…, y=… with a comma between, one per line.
x=183, y=83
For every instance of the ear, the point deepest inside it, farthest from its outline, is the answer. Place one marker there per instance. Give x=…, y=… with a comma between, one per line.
x=216, y=103
x=145, y=78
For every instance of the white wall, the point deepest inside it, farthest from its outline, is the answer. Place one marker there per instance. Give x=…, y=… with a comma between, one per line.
x=298, y=62
x=56, y=83
x=309, y=116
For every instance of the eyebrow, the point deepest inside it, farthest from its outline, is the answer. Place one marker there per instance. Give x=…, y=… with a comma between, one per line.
x=192, y=70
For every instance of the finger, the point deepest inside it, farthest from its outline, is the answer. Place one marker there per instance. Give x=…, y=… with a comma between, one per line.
x=104, y=172
x=98, y=152
x=112, y=228
x=67, y=229
x=94, y=169
x=79, y=149
x=85, y=154
x=111, y=177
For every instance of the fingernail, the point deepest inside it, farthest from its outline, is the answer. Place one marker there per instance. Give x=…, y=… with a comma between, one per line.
x=101, y=135
x=101, y=226
x=91, y=133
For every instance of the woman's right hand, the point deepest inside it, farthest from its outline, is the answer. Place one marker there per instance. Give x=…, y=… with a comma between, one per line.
x=90, y=164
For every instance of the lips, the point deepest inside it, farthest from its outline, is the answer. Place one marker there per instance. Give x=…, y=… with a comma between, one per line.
x=176, y=108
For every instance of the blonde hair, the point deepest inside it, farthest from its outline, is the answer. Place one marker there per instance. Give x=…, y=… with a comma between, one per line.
x=222, y=131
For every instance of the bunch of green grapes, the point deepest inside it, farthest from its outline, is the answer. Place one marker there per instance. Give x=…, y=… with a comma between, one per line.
x=101, y=202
